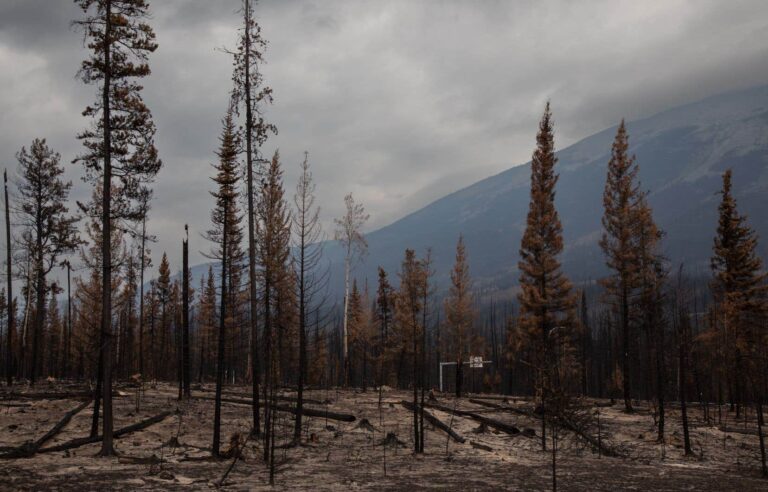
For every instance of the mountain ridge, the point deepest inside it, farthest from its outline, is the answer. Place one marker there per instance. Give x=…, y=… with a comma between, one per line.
x=681, y=153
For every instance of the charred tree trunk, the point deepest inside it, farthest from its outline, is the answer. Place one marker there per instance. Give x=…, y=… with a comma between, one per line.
x=302, y=347
x=760, y=423
x=65, y=369
x=9, y=368
x=459, y=377
x=39, y=308
x=268, y=356
x=141, y=292
x=107, y=448
x=660, y=379
x=222, y=332
x=97, y=396
x=255, y=376
x=683, y=362
x=626, y=386
x=185, y=318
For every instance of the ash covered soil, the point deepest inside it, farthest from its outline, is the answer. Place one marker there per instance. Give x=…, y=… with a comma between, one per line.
x=335, y=455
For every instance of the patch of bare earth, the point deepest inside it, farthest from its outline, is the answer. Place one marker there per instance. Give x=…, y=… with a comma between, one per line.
x=174, y=453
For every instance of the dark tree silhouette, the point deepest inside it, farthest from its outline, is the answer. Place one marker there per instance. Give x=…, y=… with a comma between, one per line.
x=47, y=230
x=121, y=142
x=226, y=228
x=251, y=93
x=307, y=252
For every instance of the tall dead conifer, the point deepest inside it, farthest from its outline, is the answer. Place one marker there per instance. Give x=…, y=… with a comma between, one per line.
x=121, y=142
x=547, y=303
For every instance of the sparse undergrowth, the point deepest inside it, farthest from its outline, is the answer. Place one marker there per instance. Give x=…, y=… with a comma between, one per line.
x=374, y=451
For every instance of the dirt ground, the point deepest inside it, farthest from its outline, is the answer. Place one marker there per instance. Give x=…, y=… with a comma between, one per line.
x=174, y=453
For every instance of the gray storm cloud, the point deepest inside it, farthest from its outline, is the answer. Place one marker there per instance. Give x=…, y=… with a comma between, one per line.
x=397, y=102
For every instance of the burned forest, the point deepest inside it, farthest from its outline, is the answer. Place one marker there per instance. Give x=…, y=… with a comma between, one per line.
x=255, y=316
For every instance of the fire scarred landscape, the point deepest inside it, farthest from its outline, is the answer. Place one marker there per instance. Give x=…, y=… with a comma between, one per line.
x=495, y=448
x=393, y=245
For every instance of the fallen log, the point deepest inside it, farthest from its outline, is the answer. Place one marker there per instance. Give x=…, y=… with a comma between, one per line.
x=76, y=443
x=498, y=397
x=567, y=424
x=30, y=448
x=488, y=404
x=436, y=422
x=502, y=426
x=311, y=412
x=593, y=441
x=71, y=395
x=248, y=395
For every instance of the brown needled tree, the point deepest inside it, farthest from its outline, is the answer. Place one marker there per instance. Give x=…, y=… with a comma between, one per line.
x=547, y=303
x=120, y=144
x=274, y=230
x=410, y=308
x=621, y=199
x=459, y=312
x=652, y=277
x=741, y=295
x=225, y=231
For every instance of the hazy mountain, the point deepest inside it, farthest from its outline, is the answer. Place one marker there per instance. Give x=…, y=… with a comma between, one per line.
x=682, y=153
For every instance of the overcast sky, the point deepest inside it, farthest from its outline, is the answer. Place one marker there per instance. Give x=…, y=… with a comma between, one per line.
x=397, y=102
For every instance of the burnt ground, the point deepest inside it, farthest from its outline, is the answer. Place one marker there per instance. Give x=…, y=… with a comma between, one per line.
x=174, y=453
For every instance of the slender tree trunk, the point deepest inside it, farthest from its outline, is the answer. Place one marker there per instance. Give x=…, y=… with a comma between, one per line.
x=544, y=368
x=141, y=293
x=202, y=337
x=422, y=371
x=415, y=382
x=345, y=334
x=106, y=276
x=9, y=369
x=625, y=347
x=152, y=338
x=39, y=312
x=97, y=394
x=554, y=458
x=268, y=364
x=129, y=343
x=660, y=379
x=683, y=369
x=254, y=307
x=163, y=337
x=586, y=337
x=185, y=319
x=760, y=435
x=222, y=332
x=271, y=403
x=65, y=371
x=177, y=339
x=459, y=376
x=302, y=340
